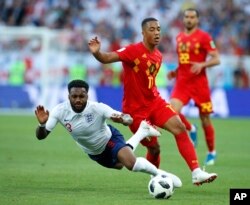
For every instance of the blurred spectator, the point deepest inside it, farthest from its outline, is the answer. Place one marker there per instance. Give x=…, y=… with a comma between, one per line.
x=111, y=75
x=77, y=71
x=241, y=77
x=17, y=73
x=115, y=22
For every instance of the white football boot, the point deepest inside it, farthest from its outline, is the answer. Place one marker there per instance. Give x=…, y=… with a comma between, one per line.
x=147, y=130
x=200, y=177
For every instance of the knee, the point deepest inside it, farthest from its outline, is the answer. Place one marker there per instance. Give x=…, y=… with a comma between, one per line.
x=179, y=128
x=129, y=162
x=130, y=165
x=205, y=120
x=118, y=165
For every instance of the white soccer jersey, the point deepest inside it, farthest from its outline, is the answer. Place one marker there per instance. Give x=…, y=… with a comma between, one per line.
x=88, y=128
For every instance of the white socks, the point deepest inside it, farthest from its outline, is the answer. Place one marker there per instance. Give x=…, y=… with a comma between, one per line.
x=134, y=140
x=143, y=165
x=193, y=128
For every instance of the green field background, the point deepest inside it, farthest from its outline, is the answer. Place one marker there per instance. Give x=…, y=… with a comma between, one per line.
x=56, y=171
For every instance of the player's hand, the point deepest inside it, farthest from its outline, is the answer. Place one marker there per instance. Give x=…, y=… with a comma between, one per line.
x=196, y=67
x=42, y=115
x=124, y=119
x=94, y=45
x=171, y=74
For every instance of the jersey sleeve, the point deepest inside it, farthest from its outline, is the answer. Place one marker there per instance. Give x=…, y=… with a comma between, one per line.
x=53, y=119
x=107, y=110
x=126, y=54
x=208, y=43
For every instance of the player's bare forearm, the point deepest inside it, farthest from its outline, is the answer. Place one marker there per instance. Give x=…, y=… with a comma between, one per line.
x=213, y=60
x=103, y=57
x=106, y=57
x=197, y=67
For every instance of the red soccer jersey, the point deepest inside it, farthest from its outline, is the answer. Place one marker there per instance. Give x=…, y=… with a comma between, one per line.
x=140, y=67
x=193, y=47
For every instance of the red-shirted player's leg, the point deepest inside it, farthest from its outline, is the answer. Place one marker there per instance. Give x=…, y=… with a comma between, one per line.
x=184, y=144
x=153, y=150
x=177, y=102
x=187, y=150
x=210, y=138
x=185, y=121
x=165, y=117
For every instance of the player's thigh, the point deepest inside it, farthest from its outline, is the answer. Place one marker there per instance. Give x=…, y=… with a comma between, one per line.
x=176, y=104
x=161, y=112
x=174, y=125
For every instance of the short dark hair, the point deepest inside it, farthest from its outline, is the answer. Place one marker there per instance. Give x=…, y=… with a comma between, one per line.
x=78, y=84
x=192, y=9
x=146, y=20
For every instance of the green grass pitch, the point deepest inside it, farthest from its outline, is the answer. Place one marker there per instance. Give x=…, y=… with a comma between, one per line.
x=56, y=171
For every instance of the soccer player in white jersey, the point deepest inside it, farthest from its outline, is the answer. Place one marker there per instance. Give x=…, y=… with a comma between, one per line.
x=86, y=123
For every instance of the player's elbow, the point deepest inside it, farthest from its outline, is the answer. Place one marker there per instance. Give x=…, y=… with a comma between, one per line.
x=217, y=61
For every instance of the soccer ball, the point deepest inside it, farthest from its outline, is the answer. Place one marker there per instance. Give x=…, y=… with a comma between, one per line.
x=161, y=187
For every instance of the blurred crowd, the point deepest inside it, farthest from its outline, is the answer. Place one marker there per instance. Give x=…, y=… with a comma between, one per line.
x=117, y=23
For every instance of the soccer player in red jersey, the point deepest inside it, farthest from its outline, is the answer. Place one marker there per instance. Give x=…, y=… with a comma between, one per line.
x=141, y=63
x=196, y=52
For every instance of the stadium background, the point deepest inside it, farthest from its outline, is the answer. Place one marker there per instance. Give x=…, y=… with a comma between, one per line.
x=43, y=45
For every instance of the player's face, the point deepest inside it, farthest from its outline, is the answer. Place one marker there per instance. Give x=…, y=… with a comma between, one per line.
x=78, y=99
x=152, y=33
x=190, y=20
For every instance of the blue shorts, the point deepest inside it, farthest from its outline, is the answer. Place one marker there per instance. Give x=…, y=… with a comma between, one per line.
x=108, y=158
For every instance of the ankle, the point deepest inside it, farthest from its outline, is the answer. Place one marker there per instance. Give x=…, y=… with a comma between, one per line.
x=212, y=152
x=196, y=170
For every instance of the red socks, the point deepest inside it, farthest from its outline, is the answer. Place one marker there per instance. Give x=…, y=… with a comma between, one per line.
x=187, y=150
x=210, y=137
x=154, y=159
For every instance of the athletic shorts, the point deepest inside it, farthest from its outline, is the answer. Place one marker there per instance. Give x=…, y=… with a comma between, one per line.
x=199, y=94
x=158, y=113
x=108, y=158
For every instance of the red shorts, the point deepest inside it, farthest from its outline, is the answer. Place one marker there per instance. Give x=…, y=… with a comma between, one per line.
x=199, y=94
x=158, y=113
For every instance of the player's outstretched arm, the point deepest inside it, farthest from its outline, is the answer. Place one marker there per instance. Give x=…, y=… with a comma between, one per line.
x=124, y=119
x=42, y=116
x=103, y=57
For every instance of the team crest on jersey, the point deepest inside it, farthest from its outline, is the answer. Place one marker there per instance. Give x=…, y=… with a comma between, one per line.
x=89, y=117
x=183, y=47
x=152, y=69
